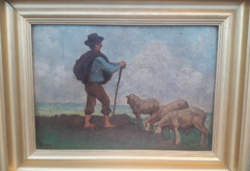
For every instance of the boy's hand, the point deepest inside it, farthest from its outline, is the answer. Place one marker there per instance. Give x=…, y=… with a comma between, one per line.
x=122, y=64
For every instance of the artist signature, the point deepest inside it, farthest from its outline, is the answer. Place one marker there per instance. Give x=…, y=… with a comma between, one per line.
x=49, y=145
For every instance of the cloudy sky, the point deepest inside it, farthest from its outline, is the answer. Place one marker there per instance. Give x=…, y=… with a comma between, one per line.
x=163, y=62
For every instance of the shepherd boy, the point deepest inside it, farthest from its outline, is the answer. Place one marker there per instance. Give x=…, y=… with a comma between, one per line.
x=97, y=71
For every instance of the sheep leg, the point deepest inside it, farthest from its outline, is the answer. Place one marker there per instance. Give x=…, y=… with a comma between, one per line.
x=170, y=132
x=147, y=126
x=138, y=118
x=204, y=132
x=206, y=136
x=177, y=138
x=201, y=141
x=164, y=131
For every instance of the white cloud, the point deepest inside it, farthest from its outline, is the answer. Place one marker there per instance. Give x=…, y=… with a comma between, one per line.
x=189, y=79
x=157, y=74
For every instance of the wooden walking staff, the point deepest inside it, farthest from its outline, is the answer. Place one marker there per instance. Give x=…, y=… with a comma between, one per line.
x=120, y=73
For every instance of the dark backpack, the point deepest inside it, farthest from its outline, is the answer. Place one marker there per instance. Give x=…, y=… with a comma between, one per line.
x=83, y=65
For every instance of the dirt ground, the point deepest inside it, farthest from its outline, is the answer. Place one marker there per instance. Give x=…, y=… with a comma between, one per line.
x=66, y=132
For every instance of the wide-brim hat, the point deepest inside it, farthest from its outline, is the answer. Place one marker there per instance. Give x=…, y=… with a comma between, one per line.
x=93, y=39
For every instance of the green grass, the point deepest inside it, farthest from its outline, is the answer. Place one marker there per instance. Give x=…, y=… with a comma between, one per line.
x=47, y=139
x=61, y=138
x=188, y=142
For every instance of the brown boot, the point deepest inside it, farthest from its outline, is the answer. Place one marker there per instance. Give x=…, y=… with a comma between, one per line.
x=87, y=123
x=106, y=122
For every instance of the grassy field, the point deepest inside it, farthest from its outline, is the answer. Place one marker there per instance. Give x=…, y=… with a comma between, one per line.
x=56, y=133
x=66, y=132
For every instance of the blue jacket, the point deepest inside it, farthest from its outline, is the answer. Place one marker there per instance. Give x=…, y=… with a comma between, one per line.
x=99, y=65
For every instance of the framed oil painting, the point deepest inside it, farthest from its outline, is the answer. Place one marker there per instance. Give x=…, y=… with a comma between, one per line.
x=169, y=71
x=166, y=85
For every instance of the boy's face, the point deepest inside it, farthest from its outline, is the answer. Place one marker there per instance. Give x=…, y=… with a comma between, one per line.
x=98, y=47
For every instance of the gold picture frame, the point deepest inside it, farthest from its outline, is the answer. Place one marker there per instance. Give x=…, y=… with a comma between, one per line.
x=231, y=140
x=3, y=135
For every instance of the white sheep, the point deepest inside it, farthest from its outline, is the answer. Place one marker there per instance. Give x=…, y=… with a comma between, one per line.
x=163, y=110
x=184, y=119
x=139, y=106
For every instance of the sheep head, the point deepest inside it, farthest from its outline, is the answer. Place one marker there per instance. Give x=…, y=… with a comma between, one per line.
x=147, y=126
x=130, y=98
x=157, y=128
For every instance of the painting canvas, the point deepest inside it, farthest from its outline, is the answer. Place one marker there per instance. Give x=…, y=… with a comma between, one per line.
x=164, y=99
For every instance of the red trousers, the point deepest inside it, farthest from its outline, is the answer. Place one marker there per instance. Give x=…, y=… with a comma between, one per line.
x=95, y=91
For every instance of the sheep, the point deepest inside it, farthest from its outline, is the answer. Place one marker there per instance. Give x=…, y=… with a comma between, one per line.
x=184, y=119
x=139, y=106
x=157, y=116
